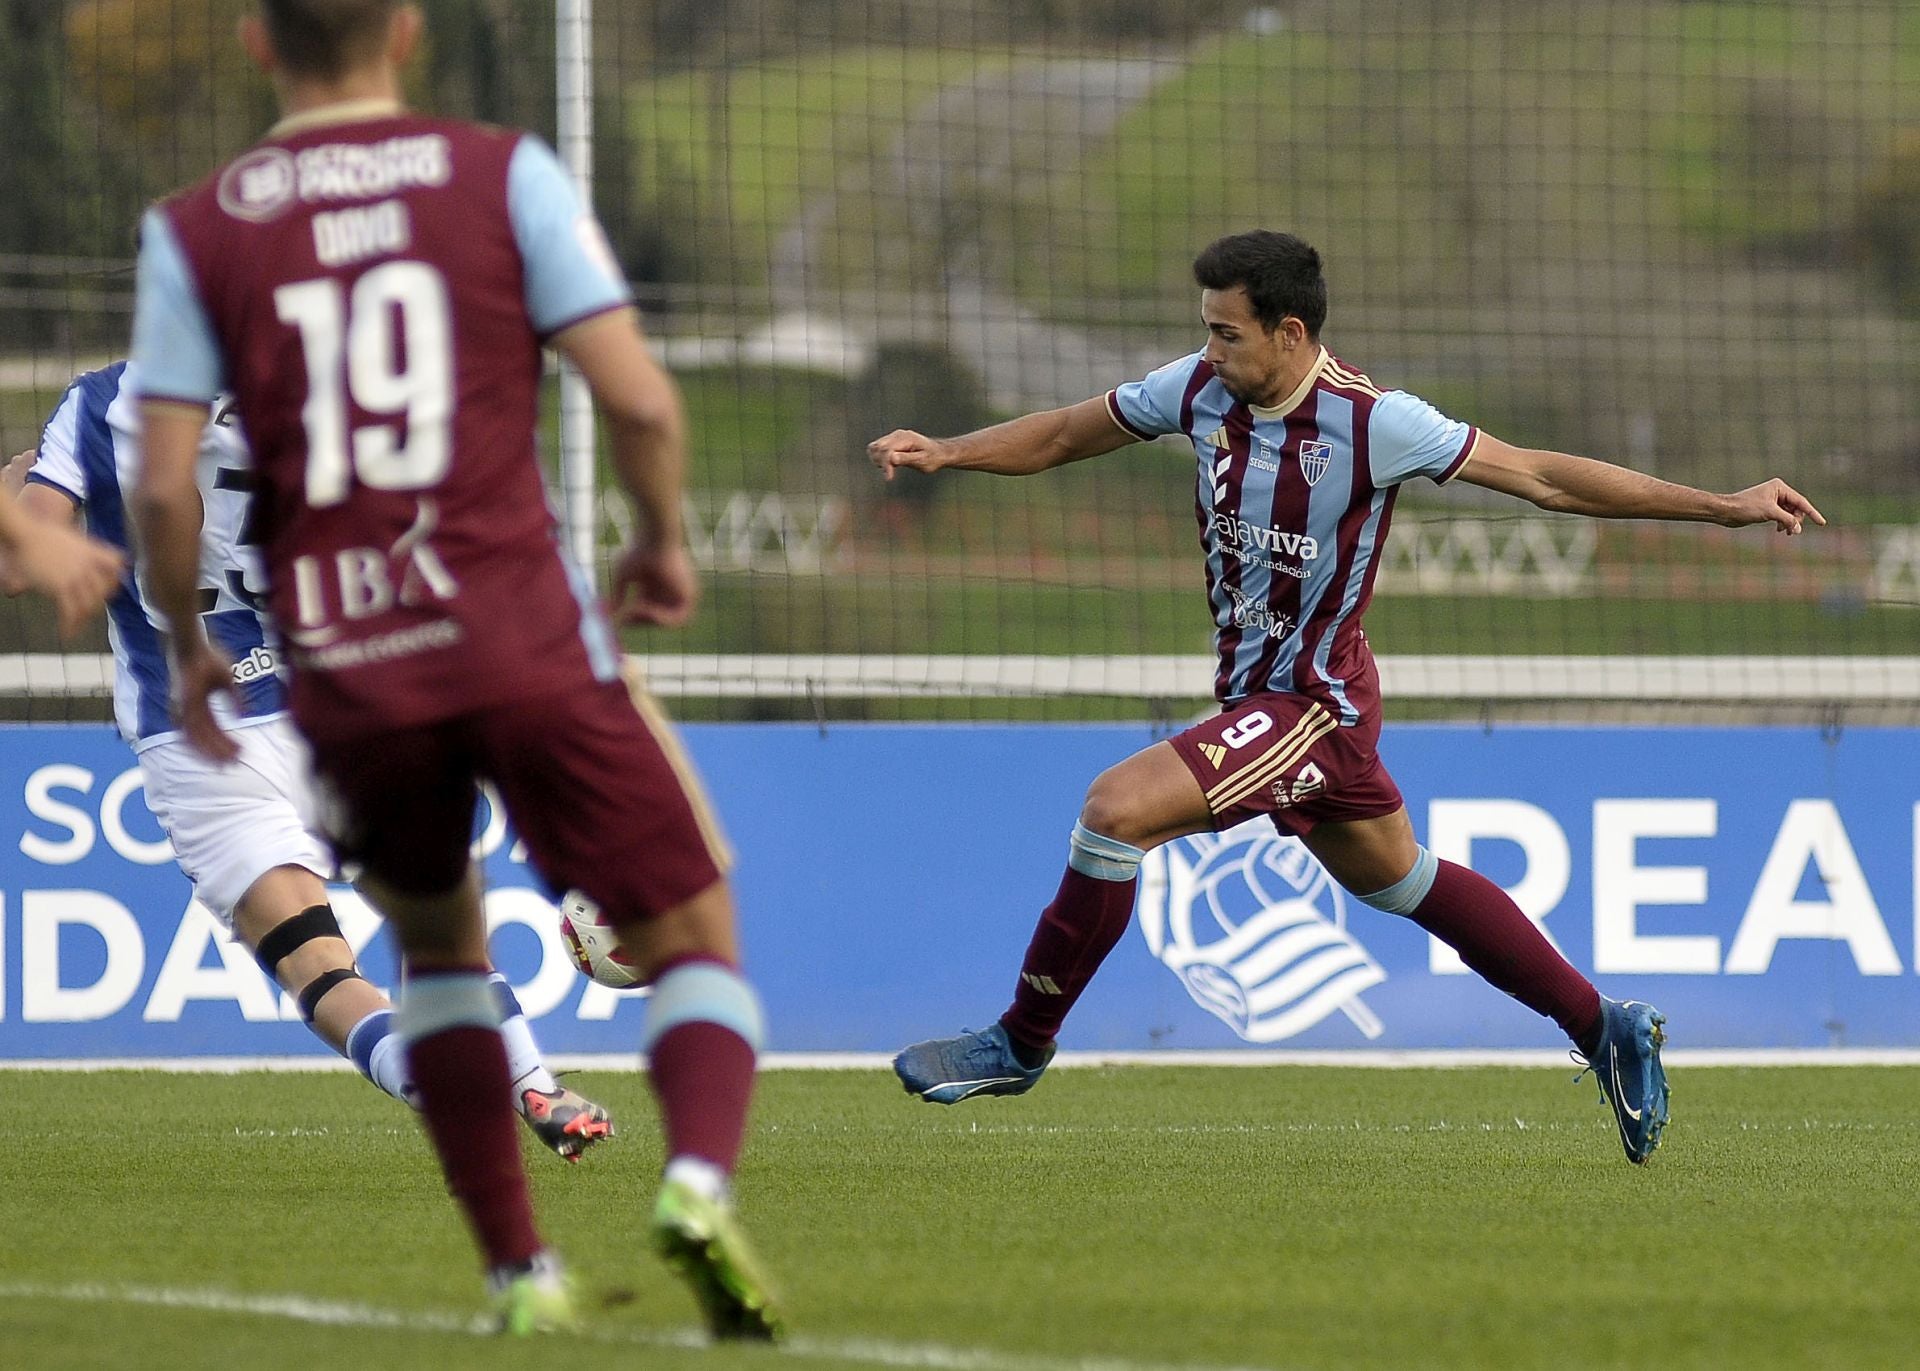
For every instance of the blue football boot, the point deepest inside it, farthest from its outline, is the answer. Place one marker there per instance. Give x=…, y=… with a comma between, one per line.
x=949, y=1070
x=1632, y=1081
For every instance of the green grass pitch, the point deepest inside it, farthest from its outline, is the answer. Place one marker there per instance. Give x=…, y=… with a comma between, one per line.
x=1115, y=1220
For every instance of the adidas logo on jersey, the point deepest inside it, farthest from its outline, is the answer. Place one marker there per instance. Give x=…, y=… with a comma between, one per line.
x=1214, y=753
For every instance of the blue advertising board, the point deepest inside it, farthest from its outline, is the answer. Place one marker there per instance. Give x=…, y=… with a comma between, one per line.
x=1757, y=884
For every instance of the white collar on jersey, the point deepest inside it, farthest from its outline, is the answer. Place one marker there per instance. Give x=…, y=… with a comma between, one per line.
x=1292, y=402
x=346, y=112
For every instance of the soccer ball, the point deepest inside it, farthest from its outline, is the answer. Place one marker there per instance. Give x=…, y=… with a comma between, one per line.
x=594, y=944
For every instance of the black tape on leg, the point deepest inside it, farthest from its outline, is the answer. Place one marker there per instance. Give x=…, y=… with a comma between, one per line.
x=283, y=940
x=317, y=988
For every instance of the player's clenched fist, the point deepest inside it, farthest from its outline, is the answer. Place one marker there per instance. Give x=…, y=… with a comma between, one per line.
x=905, y=448
x=654, y=585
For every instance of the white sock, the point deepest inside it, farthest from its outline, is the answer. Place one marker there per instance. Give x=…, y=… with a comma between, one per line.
x=375, y=1046
x=700, y=1176
x=387, y=1068
x=524, y=1063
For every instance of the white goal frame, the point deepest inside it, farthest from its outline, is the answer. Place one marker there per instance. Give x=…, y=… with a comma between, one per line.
x=573, y=83
x=1465, y=679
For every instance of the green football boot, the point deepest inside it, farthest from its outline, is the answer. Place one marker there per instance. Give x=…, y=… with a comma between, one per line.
x=702, y=1241
x=536, y=1300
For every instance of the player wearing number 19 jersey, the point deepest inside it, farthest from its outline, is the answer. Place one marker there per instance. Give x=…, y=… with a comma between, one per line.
x=374, y=287
x=244, y=834
x=1297, y=460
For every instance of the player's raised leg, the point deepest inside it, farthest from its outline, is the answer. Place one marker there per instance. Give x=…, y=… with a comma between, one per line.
x=1149, y=799
x=245, y=836
x=1378, y=859
x=286, y=919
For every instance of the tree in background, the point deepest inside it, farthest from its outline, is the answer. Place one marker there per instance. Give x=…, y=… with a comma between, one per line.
x=46, y=207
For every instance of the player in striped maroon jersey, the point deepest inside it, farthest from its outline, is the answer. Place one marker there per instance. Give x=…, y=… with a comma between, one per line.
x=374, y=286
x=1299, y=459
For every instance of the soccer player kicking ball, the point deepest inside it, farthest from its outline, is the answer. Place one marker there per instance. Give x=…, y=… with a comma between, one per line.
x=245, y=835
x=1299, y=457
x=373, y=287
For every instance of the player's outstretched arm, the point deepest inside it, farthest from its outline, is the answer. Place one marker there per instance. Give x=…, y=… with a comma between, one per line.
x=167, y=516
x=13, y=476
x=653, y=578
x=72, y=570
x=1019, y=447
x=1580, y=485
x=40, y=502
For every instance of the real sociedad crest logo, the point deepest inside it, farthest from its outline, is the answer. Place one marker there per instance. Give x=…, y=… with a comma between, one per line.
x=1257, y=932
x=1315, y=458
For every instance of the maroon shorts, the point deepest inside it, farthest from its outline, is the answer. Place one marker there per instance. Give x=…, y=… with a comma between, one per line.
x=593, y=778
x=1286, y=756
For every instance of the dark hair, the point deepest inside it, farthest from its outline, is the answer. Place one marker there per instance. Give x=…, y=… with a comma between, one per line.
x=325, y=38
x=1280, y=272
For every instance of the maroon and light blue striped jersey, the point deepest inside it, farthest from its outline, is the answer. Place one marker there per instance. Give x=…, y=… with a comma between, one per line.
x=1293, y=504
x=373, y=287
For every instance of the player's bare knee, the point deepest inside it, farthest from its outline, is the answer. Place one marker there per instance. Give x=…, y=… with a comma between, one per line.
x=1113, y=809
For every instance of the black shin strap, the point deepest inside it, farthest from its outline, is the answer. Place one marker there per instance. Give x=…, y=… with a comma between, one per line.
x=314, y=922
x=317, y=988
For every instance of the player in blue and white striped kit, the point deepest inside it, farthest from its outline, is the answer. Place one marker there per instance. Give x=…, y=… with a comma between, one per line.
x=245, y=833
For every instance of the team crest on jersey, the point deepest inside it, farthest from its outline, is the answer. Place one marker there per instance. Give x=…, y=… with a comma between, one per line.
x=1315, y=458
x=258, y=186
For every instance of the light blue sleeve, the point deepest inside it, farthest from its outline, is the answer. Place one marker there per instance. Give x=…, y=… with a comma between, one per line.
x=1407, y=437
x=1150, y=407
x=58, y=464
x=571, y=272
x=173, y=343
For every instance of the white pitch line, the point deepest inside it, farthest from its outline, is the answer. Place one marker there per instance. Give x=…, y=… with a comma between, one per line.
x=1381, y=1059
x=348, y=1314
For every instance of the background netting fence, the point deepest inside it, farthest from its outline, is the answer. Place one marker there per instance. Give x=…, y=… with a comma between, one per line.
x=1683, y=236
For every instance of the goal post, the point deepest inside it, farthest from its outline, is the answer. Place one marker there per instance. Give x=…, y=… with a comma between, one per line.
x=573, y=86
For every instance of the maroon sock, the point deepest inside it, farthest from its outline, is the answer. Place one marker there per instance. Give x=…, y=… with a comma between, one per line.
x=1075, y=934
x=1480, y=921
x=465, y=1100
x=702, y=1071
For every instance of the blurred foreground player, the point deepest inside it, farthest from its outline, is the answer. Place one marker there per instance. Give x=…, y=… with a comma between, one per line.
x=1299, y=458
x=244, y=834
x=373, y=287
